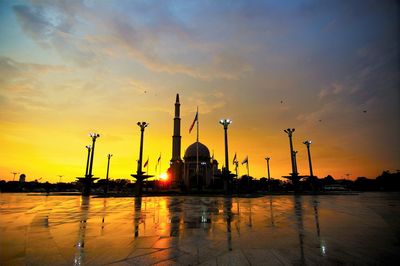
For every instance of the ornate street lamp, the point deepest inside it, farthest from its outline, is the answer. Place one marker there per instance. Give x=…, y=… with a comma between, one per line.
x=226, y=123
x=294, y=176
x=14, y=173
x=94, y=136
x=140, y=174
x=88, y=179
x=295, y=161
x=108, y=168
x=308, y=143
x=142, y=126
x=269, y=177
x=89, y=148
x=290, y=131
x=226, y=175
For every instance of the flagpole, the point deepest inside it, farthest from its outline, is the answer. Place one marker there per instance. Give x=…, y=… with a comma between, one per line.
x=147, y=183
x=212, y=168
x=159, y=170
x=247, y=164
x=159, y=167
x=197, y=123
x=197, y=148
x=237, y=175
x=148, y=164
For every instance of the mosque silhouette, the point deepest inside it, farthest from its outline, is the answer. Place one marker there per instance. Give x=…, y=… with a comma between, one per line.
x=197, y=170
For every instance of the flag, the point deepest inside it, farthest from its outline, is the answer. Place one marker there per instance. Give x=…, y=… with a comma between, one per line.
x=158, y=161
x=246, y=160
x=194, y=121
x=146, y=163
x=234, y=159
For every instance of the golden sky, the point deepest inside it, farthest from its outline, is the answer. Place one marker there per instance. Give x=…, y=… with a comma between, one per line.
x=68, y=68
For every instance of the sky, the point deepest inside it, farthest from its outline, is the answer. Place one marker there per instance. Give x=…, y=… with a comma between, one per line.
x=329, y=69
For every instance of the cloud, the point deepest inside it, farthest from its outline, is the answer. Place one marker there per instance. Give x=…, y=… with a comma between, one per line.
x=50, y=27
x=22, y=86
x=8, y=69
x=11, y=68
x=333, y=89
x=90, y=35
x=34, y=23
x=170, y=49
x=207, y=102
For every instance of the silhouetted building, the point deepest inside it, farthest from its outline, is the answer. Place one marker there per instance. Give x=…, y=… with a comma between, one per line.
x=193, y=171
x=22, y=178
x=204, y=165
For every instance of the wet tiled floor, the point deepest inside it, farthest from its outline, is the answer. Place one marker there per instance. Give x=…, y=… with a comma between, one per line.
x=272, y=230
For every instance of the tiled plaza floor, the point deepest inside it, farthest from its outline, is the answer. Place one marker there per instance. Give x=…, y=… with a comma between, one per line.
x=273, y=230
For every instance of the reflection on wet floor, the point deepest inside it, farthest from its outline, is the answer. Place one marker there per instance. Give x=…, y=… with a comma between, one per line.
x=80, y=244
x=289, y=229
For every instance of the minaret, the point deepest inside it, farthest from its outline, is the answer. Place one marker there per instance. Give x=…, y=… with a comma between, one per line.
x=176, y=164
x=176, y=138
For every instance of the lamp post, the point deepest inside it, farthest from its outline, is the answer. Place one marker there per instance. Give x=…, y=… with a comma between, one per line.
x=94, y=136
x=308, y=143
x=142, y=126
x=89, y=148
x=295, y=161
x=14, y=173
x=290, y=131
x=140, y=174
x=294, y=176
x=108, y=168
x=226, y=123
x=226, y=175
x=269, y=177
x=88, y=179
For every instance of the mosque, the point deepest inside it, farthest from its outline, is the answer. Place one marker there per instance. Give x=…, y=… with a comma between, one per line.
x=197, y=170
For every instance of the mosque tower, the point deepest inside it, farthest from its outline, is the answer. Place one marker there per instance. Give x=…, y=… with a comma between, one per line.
x=176, y=138
x=176, y=164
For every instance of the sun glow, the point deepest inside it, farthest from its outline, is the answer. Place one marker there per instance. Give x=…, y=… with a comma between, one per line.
x=164, y=177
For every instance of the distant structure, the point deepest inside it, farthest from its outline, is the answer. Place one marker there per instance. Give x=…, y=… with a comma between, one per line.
x=186, y=174
x=22, y=178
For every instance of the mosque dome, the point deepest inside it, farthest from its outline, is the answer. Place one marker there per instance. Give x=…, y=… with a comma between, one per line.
x=191, y=152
